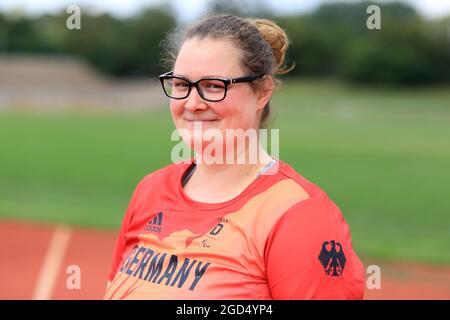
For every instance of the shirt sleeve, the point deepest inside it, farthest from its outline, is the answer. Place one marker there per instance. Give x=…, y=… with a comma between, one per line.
x=309, y=254
x=121, y=243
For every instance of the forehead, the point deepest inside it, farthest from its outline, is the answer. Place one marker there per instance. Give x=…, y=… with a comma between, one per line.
x=208, y=57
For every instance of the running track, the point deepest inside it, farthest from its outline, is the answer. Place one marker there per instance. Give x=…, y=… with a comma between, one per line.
x=35, y=258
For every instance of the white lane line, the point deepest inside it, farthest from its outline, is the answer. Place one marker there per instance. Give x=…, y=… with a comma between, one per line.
x=52, y=263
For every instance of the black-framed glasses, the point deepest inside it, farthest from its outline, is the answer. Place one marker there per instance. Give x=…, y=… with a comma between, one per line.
x=210, y=89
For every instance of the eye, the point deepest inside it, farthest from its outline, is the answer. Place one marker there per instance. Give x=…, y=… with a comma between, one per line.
x=213, y=85
x=180, y=83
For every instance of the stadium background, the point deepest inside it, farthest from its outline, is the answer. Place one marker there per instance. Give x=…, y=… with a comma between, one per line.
x=365, y=115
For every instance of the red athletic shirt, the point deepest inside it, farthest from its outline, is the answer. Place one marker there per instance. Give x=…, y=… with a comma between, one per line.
x=281, y=238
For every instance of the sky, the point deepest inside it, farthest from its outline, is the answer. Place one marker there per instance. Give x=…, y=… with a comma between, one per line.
x=188, y=10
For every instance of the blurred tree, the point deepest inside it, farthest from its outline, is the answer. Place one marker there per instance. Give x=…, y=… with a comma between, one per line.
x=315, y=49
x=253, y=8
x=332, y=41
x=23, y=36
x=52, y=31
x=438, y=34
x=101, y=41
x=146, y=31
x=122, y=47
x=353, y=14
x=3, y=34
x=399, y=53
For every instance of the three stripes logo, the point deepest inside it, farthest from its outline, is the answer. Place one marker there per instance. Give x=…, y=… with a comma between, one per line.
x=154, y=225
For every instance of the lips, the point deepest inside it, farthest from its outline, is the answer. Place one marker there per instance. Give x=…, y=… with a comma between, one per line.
x=201, y=120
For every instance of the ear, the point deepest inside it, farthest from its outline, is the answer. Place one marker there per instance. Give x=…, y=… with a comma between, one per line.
x=265, y=91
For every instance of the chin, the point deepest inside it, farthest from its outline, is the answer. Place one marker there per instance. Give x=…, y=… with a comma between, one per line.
x=202, y=124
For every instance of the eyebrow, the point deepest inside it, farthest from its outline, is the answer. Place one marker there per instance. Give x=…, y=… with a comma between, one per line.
x=204, y=77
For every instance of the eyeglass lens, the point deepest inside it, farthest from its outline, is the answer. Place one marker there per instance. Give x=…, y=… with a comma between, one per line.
x=209, y=89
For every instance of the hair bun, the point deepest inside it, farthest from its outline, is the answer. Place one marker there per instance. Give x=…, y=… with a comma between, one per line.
x=275, y=36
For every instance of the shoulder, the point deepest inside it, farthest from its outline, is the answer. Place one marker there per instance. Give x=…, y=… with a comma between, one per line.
x=163, y=180
x=285, y=171
x=288, y=195
x=311, y=217
x=290, y=205
x=314, y=200
x=165, y=175
x=298, y=244
x=308, y=222
x=314, y=217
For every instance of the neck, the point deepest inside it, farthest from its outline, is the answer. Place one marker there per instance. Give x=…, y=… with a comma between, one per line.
x=236, y=169
x=214, y=183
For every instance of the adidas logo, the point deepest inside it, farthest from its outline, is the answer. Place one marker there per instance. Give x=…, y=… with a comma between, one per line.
x=154, y=225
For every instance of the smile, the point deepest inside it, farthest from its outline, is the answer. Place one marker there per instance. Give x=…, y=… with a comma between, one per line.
x=201, y=121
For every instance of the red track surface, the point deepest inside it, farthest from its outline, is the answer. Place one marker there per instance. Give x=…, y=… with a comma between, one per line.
x=24, y=248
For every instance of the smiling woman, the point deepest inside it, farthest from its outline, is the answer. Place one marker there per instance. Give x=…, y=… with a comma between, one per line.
x=229, y=229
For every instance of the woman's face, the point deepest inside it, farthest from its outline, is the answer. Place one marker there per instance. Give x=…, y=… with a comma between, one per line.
x=242, y=106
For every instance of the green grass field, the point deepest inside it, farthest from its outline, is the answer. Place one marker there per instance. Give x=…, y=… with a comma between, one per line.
x=382, y=155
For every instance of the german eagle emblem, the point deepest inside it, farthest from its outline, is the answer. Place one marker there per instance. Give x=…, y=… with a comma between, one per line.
x=332, y=260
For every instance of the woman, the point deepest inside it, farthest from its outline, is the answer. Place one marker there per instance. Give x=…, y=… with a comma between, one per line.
x=230, y=230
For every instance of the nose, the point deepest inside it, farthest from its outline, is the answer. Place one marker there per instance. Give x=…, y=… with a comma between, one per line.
x=194, y=102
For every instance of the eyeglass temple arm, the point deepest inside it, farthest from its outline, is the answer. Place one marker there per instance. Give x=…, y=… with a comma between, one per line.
x=170, y=73
x=246, y=79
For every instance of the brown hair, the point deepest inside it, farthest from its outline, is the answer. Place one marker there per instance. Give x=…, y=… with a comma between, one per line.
x=262, y=42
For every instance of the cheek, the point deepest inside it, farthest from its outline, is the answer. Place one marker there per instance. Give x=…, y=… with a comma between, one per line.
x=176, y=110
x=240, y=113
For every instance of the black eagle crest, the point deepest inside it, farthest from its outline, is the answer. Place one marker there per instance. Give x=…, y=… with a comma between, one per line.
x=332, y=260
